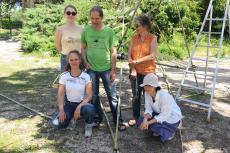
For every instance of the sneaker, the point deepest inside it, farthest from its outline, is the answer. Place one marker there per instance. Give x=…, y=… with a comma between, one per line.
x=54, y=121
x=170, y=138
x=180, y=125
x=88, y=130
x=155, y=134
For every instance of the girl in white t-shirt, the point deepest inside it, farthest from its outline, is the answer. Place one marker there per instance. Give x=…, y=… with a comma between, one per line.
x=75, y=94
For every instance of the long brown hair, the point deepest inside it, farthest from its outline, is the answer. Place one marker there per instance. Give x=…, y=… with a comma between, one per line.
x=81, y=66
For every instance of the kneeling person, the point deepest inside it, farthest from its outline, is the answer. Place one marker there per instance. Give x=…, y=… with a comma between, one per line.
x=162, y=115
x=75, y=94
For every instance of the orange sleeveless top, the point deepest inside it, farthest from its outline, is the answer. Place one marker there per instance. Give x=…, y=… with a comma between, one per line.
x=140, y=49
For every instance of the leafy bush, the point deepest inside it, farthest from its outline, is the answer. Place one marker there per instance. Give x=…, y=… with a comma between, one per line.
x=39, y=28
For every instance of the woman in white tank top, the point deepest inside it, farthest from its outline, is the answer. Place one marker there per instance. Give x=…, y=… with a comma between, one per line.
x=68, y=36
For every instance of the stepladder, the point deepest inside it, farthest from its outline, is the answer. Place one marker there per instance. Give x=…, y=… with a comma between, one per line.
x=200, y=76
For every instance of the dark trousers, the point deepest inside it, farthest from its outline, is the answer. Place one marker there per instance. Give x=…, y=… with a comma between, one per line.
x=164, y=130
x=105, y=76
x=87, y=112
x=137, y=92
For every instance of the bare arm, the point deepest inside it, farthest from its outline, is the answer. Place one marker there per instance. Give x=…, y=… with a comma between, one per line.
x=87, y=98
x=60, y=99
x=83, y=53
x=113, y=58
x=58, y=36
x=129, y=51
x=88, y=94
x=113, y=63
x=152, y=55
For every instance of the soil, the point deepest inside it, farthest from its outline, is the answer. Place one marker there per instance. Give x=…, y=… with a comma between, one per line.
x=197, y=135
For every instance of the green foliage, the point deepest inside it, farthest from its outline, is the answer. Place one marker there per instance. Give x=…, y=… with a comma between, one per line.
x=39, y=28
x=13, y=23
x=40, y=22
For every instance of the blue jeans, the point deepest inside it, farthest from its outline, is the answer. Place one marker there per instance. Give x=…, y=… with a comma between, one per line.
x=109, y=89
x=164, y=130
x=63, y=61
x=87, y=112
x=137, y=92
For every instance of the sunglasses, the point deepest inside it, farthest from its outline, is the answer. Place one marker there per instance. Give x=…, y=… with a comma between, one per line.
x=69, y=13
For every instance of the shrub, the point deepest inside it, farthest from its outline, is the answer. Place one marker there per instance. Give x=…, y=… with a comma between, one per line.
x=39, y=28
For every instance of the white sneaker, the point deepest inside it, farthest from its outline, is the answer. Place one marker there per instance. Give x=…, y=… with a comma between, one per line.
x=88, y=130
x=171, y=137
x=155, y=134
x=180, y=125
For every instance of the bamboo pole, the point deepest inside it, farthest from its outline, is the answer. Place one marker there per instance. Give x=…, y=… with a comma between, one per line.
x=33, y=110
x=107, y=121
x=119, y=100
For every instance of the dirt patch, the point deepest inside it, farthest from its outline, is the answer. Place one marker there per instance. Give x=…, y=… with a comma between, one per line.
x=32, y=133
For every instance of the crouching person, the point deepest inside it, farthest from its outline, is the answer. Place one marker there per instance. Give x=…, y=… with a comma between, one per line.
x=75, y=94
x=162, y=115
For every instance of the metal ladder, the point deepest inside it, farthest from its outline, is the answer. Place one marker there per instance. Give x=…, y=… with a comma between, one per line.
x=206, y=73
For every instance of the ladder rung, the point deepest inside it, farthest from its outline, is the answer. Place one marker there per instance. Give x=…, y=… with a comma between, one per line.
x=214, y=33
x=216, y=19
x=199, y=73
x=208, y=46
x=195, y=87
x=203, y=59
x=193, y=102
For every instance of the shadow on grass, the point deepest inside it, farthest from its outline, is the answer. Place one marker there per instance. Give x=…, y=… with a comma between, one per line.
x=31, y=88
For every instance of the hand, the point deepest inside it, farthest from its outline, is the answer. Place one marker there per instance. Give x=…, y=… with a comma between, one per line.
x=77, y=112
x=87, y=65
x=144, y=125
x=112, y=75
x=131, y=63
x=62, y=116
x=133, y=73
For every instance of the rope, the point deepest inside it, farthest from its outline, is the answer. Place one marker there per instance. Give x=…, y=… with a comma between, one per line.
x=33, y=110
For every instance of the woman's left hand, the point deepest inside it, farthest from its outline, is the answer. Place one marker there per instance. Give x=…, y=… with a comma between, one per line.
x=77, y=112
x=144, y=125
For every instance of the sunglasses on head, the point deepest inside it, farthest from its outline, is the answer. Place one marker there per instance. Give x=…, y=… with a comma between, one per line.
x=69, y=13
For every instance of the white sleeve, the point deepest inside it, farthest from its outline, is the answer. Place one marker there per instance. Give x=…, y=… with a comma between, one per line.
x=165, y=108
x=148, y=107
x=87, y=78
x=62, y=79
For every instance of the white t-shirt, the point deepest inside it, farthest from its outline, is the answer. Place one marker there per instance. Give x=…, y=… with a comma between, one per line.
x=75, y=86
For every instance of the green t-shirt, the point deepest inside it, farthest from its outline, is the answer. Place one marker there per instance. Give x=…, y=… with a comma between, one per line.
x=99, y=44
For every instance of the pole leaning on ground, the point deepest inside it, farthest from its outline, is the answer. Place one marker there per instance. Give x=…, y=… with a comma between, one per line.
x=33, y=110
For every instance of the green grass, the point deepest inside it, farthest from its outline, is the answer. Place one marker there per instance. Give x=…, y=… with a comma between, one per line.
x=175, y=48
x=26, y=80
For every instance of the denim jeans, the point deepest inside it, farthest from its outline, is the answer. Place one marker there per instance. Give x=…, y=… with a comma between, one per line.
x=110, y=92
x=63, y=62
x=87, y=112
x=164, y=130
x=137, y=92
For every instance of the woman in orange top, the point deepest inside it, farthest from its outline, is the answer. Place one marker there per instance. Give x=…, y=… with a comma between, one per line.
x=141, y=58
